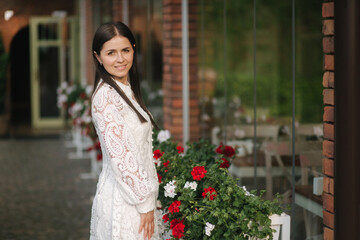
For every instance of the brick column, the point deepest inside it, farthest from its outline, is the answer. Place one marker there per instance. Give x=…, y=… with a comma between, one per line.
x=117, y=10
x=328, y=118
x=172, y=69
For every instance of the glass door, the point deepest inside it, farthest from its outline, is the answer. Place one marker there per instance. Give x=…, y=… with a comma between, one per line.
x=48, y=69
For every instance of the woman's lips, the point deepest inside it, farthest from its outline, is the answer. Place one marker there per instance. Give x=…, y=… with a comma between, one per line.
x=122, y=67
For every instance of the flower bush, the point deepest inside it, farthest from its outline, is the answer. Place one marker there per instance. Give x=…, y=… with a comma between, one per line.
x=200, y=200
x=74, y=99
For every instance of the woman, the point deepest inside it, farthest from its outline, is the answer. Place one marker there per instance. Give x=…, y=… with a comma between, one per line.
x=127, y=189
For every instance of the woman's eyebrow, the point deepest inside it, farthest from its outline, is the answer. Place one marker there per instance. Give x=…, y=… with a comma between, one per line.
x=109, y=50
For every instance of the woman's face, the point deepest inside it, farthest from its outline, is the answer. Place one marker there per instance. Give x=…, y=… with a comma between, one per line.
x=117, y=57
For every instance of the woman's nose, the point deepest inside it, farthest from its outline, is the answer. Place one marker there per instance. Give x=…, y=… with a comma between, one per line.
x=120, y=57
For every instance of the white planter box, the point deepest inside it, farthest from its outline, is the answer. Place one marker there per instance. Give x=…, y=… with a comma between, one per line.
x=281, y=222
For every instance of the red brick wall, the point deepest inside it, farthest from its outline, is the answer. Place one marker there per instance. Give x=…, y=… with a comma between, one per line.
x=117, y=10
x=328, y=118
x=172, y=70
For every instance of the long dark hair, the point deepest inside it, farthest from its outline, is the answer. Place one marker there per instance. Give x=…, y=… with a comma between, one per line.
x=103, y=34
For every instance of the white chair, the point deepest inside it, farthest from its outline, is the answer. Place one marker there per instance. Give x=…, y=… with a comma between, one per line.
x=306, y=130
x=311, y=164
x=279, y=149
x=241, y=138
x=235, y=133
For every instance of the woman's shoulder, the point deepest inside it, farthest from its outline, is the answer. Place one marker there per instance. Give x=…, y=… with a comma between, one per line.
x=102, y=90
x=105, y=92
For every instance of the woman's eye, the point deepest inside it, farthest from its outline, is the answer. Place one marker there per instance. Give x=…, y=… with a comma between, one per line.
x=110, y=53
x=126, y=50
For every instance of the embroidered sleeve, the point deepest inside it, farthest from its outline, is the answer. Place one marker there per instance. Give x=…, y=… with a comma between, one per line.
x=135, y=184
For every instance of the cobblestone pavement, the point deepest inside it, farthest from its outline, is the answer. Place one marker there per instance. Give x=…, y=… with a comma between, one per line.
x=41, y=193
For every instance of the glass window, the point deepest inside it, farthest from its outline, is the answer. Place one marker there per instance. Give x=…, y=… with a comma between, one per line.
x=146, y=25
x=247, y=99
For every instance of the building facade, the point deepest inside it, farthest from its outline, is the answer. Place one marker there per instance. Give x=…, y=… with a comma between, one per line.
x=240, y=89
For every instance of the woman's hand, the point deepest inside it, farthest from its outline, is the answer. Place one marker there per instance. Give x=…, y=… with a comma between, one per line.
x=147, y=224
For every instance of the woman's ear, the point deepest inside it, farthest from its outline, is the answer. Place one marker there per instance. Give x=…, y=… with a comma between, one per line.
x=97, y=57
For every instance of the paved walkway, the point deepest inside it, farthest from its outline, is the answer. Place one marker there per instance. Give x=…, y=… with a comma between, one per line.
x=41, y=193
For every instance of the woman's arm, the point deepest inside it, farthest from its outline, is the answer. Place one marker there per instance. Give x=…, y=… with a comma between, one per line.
x=135, y=185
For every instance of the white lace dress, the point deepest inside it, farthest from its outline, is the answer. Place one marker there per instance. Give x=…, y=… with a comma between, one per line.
x=128, y=183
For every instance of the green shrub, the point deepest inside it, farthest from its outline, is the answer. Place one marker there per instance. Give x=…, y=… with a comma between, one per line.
x=214, y=201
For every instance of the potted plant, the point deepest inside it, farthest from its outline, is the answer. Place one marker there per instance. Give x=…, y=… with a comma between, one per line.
x=198, y=199
x=4, y=116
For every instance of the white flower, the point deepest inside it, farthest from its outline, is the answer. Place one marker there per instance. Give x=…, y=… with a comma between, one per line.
x=247, y=193
x=163, y=135
x=170, y=189
x=208, y=228
x=86, y=119
x=64, y=85
x=70, y=89
x=77, y=107
x=192, y=185
x=157, y=162
x=161, y=225
x=88, y=90
x=61, y=100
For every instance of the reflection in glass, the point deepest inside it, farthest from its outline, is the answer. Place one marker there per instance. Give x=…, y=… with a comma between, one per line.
x=146, y=24
x=49, y=80
x=273, y=146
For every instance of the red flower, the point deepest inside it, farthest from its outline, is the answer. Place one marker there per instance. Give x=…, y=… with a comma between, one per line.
x=212, y=193
x=229, y=151
x=82, y=95
x=180, y=149
x=174, y=222
x=219, y=149
x=97, y=145
x=225, y=163
x=165, y=218
x=99, y=157
x=225, y=150
x=174, y=207
x=178, y=230
x=177, y=227
x=159, y=177
x=158, y=154
x=90, y=149
x=166, y=164
x=198, y=172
